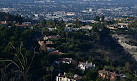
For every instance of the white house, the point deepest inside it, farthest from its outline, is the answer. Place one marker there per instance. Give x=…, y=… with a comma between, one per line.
x=86, y=27
x=61, y=77
x=52, y=29
x=64, y=61
x=85, y=66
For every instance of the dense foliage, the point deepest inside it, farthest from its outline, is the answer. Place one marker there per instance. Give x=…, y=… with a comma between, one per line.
x=21, y=59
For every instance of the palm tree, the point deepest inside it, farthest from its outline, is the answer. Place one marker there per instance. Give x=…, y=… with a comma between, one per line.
x=47, y=69
x=51, y=70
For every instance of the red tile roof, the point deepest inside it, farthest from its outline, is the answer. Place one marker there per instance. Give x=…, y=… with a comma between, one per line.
x=22, y=25
x=3, y=22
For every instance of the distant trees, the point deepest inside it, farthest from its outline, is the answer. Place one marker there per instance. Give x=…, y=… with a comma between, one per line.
x=44, y=31
x=34, y=27
x=133, y=25
x=43, y=23
x=77, y=23
x=19, y=19
x=102, y=18
x=50, y=23
x=98, y=18
x=10, y=18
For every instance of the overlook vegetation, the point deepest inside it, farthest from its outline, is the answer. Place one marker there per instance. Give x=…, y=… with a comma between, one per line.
x=21, y=59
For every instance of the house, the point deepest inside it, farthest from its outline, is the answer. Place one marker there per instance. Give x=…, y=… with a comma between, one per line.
x=118, y=19
x=69, y=29
x=87, y=27
x=122, y=76
x=56, y=53
x=49, y=42
x=52, y=29
x=76, y=29
x=64, y=60
x=108, y=75
x=85, y=66
x=3, y=23
x=69, y=24
x=123, y=25
x=22, y=25
x=91, y=21
x=51, y=37
x=70, y=13
x=43, y=46
x=28, y=23
x=41, y=43
x=111, y=27
x=50, y=49
x=64, y=77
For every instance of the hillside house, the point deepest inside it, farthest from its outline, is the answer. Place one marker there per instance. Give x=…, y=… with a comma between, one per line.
x=109, y=75
x=61, y=77
x=85, y=66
